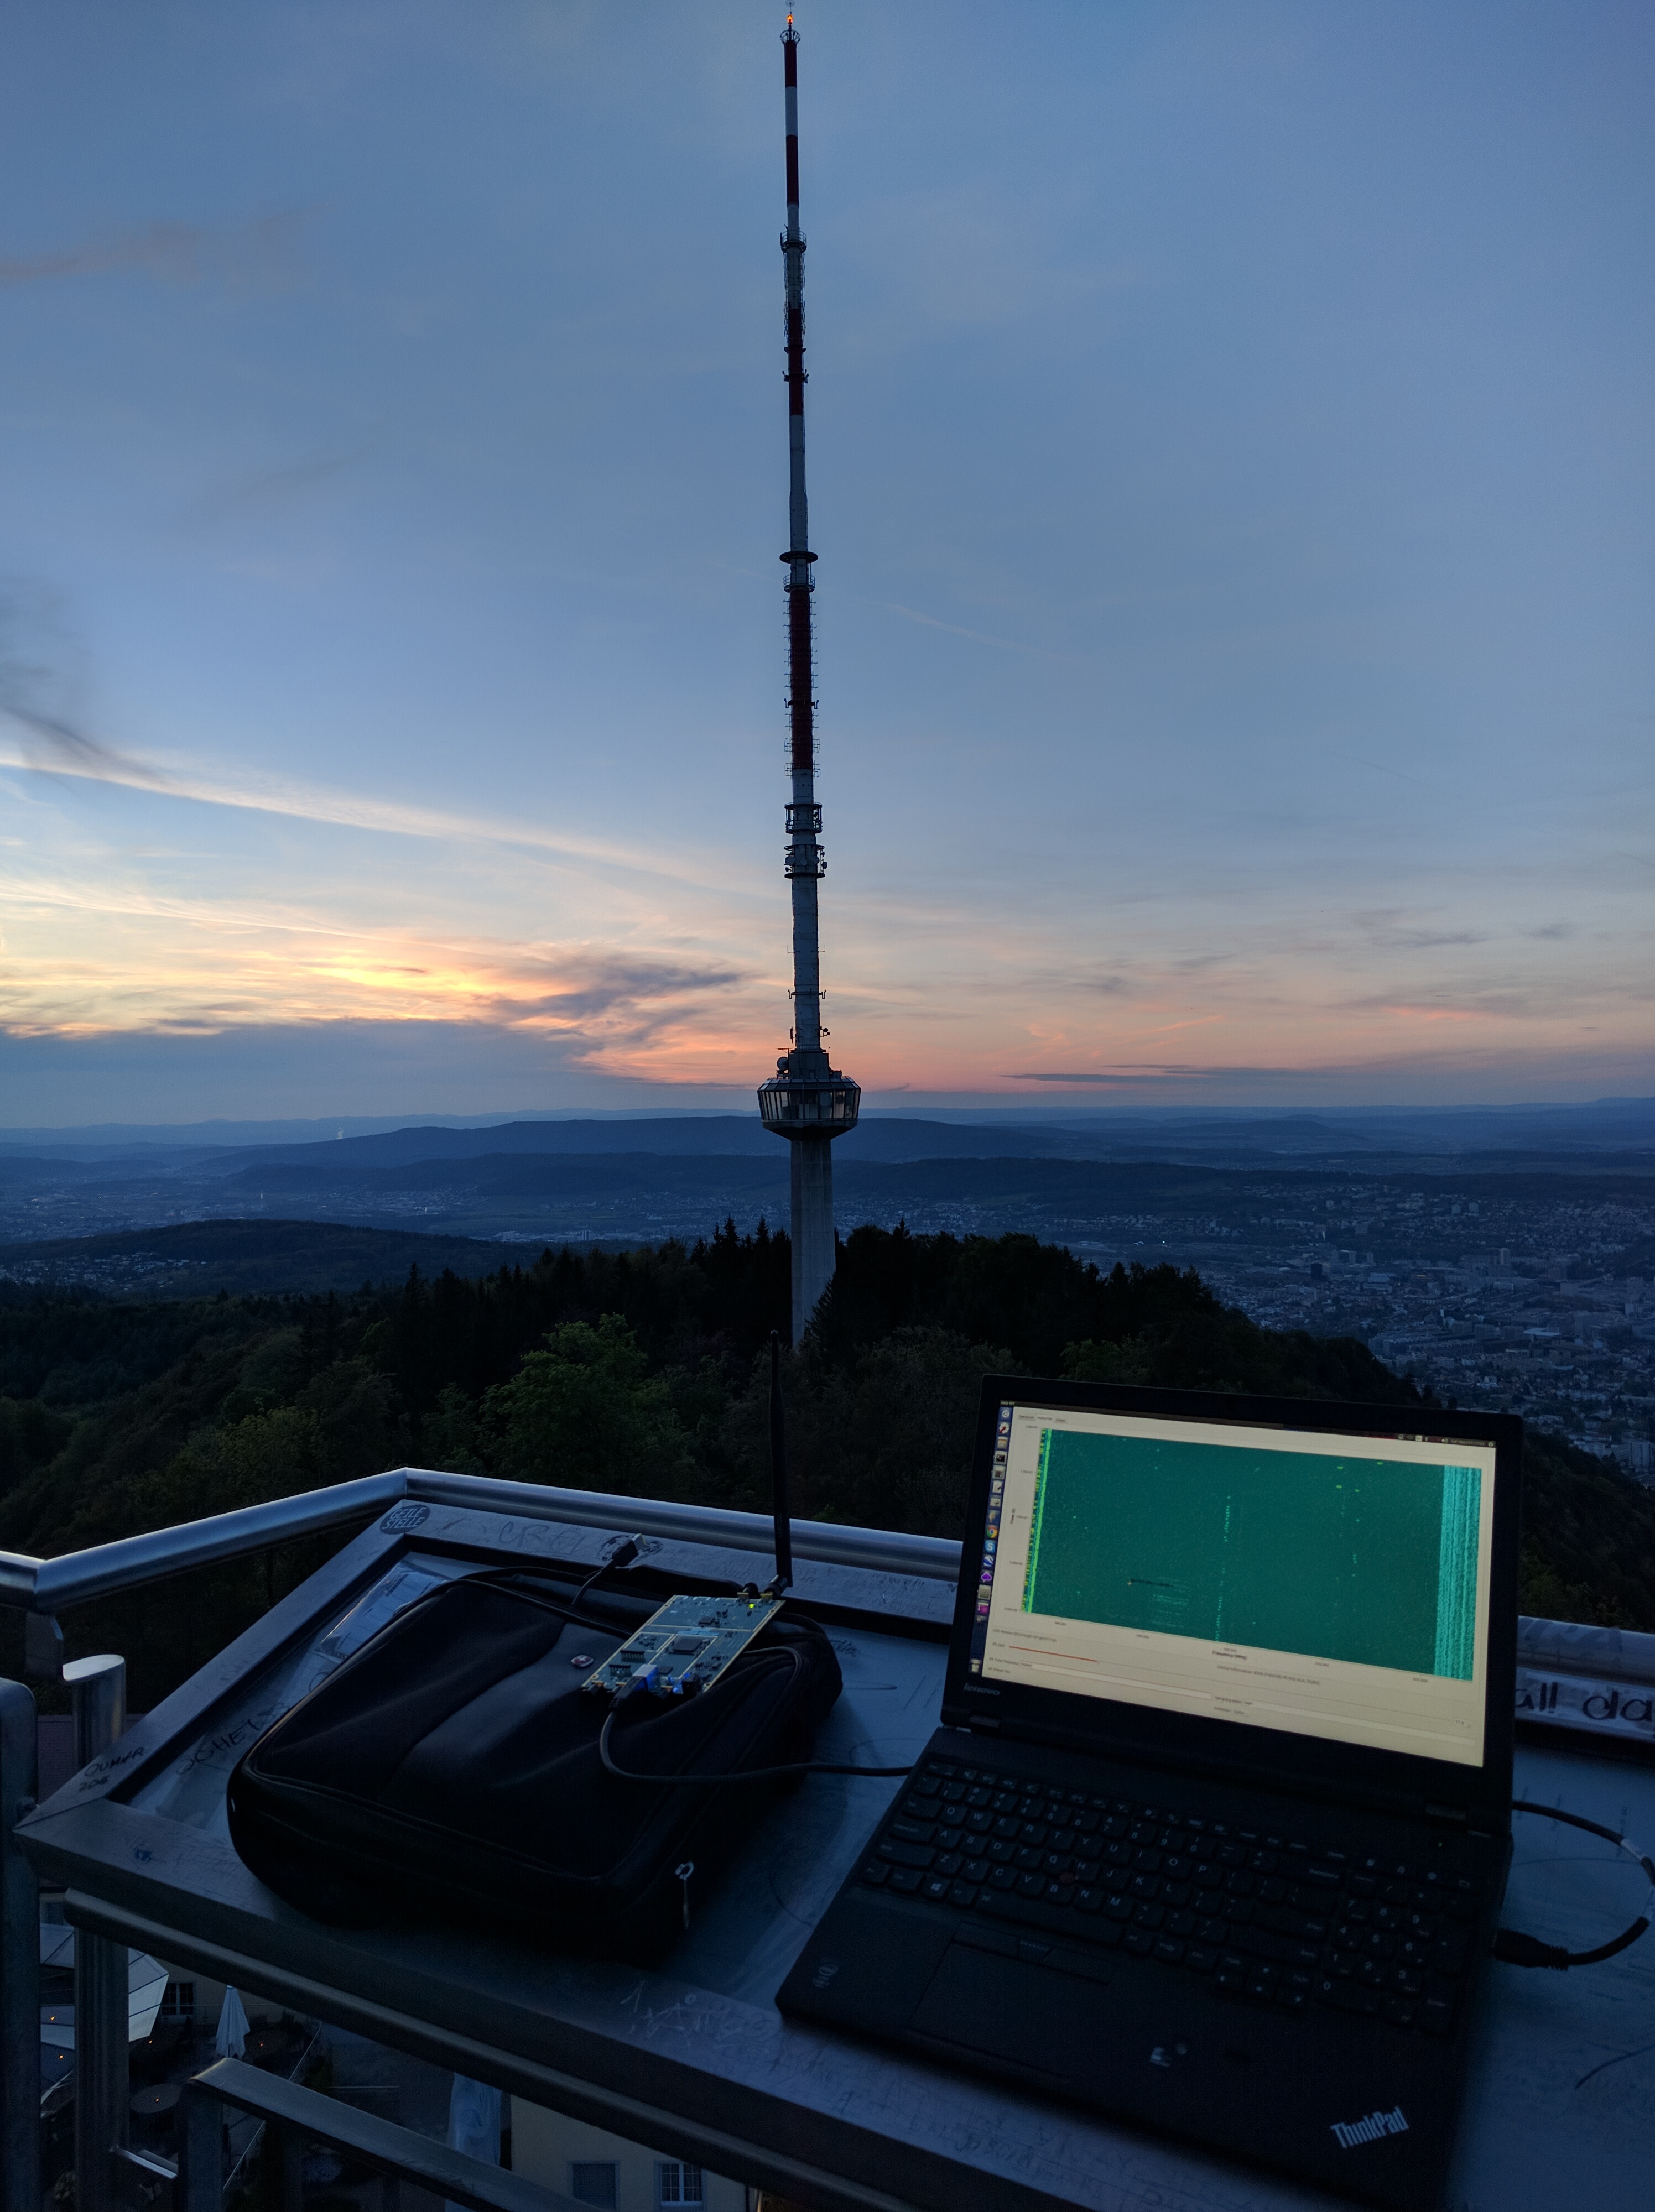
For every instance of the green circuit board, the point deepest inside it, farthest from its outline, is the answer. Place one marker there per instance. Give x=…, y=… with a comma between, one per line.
x=685, y=1648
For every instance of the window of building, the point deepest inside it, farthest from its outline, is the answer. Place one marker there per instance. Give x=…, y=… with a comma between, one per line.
x=178, y=2003
x=592, y=2181
x=678, y=2185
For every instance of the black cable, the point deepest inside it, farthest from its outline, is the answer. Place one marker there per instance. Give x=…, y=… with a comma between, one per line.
x=622, y=1556
x=779, y=1512
x=1517, y=1949
x=564, y=1608
x=752, y=1774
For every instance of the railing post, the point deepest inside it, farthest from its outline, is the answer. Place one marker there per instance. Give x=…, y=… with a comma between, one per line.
x=200, y=2184
x=291, y=2151
x=98, y=1692
x=20, y=1959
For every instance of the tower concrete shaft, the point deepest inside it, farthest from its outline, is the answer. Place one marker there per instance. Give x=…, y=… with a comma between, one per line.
x=806, y=1101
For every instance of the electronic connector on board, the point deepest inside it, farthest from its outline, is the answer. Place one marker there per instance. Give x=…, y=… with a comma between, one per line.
x=685, y=1648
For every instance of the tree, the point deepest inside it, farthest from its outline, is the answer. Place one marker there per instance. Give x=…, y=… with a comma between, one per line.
x=585, y=1414
x=882, y=1438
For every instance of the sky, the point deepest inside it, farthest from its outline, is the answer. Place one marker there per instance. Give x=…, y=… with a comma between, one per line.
x=1231, y=443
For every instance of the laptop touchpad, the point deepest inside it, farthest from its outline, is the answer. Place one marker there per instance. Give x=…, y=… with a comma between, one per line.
x=1015, y=2010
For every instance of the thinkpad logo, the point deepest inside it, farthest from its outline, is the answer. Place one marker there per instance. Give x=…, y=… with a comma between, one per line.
x=1348, y=2133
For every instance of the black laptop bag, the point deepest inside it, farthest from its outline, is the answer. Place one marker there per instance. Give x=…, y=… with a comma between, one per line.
x=449, y=1770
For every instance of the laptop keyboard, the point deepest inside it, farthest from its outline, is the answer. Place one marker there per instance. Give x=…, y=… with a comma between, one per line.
x=1284, y=1920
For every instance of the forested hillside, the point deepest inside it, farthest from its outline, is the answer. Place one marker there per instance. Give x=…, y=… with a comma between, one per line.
x=645, y=1373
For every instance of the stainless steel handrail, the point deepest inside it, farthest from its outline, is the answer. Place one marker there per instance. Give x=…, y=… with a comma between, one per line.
x=253, y=2141
x=885, y=1551
x=45, y=1585
x=49, y=1585
x=307, y=2116
x=20, y=1959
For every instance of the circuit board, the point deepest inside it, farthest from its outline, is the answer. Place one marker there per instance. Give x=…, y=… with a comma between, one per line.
x=685, y=1648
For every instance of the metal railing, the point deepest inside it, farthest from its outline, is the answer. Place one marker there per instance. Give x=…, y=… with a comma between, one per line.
x=41, y=1587
x=20, y=1959
x=294, y=2073
x=300, y=2116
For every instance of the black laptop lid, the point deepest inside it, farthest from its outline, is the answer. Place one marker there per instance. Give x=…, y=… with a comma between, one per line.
x=1320, y=1597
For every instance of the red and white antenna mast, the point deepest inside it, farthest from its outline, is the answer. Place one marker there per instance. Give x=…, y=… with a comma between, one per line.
x=806, y=1101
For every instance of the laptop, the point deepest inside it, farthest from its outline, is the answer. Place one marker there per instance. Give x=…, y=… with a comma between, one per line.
x=1215, y=1832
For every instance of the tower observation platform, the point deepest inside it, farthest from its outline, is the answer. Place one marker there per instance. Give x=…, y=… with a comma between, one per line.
x=807, y=1100
x=689, y=2056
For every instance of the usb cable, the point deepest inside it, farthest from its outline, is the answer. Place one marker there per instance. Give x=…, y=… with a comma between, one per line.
x=1518, y=1949
x=721, y=1781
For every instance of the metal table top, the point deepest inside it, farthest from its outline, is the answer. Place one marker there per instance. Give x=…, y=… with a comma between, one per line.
x=692, y=2056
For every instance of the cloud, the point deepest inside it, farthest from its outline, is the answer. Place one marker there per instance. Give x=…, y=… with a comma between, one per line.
x=1310, y=1074
x=608, y=998
x=1052, y=982
x=1381, y=929
x=268, y=486
x=73, y=753
x=37, y=681
x=114, y=965
x=52, y=743
x=1381, y=768
x=261, y=252
x=977, y=636
x=1113, y=1078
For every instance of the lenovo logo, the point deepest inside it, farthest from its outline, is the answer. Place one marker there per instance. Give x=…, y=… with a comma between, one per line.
x=1349, y=2133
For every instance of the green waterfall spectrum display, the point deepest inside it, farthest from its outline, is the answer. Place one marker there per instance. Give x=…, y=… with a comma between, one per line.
x=1373, y=1560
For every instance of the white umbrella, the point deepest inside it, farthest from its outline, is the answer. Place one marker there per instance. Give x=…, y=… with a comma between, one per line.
x=474, y=2116
x=146, y=1985
x=232, y=2037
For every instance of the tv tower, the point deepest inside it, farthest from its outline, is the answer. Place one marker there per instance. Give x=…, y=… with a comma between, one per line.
x=806, y=1101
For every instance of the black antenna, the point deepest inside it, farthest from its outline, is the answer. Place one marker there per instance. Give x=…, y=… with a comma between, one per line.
x=779, y=1472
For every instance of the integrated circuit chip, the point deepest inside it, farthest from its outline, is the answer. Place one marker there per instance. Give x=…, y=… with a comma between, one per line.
x=683, y=1648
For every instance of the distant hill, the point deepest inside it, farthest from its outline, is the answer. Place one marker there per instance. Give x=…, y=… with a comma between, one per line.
x=728, y=1177
x=613, y=1197
x=676, y=1136
x=192, y=1258
x=1606, y=1133
x=1569, y=1140
x=1068, y=1185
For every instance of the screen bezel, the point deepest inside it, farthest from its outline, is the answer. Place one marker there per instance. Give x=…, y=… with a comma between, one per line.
x=1399, y=1781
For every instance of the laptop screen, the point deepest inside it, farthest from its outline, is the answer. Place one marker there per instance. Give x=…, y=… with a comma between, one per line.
x=1326, y=1584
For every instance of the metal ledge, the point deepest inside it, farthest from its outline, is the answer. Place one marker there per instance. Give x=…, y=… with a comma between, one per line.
x=49, y=1585
x=691, y=2056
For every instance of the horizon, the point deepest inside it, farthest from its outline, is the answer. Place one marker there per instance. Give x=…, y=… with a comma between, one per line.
x=344, y=1125
x=1229, y=448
